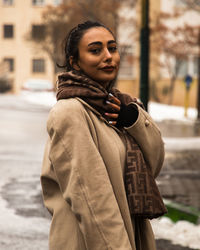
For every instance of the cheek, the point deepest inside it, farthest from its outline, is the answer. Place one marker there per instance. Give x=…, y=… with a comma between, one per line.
x=87, y=60
x=118, y=59
x=93, y=61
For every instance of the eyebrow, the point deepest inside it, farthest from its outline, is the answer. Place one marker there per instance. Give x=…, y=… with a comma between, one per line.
x=100, y=43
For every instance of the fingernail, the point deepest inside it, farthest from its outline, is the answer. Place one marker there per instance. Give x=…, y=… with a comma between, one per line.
x=110, y=94
x=106, y=113
x=110, y=122
x=108, y=102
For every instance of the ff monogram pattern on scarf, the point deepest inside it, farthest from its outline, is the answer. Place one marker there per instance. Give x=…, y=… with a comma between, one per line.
x=144, y=198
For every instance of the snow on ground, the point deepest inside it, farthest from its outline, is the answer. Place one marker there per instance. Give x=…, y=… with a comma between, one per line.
x=182, y=232
x=161, y=112
x=158, y=111
x=183, y=143
x=42, y=98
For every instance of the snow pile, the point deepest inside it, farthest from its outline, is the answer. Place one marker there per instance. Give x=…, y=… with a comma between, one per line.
x=182, y=233
x=41, y=98
x=161, y=112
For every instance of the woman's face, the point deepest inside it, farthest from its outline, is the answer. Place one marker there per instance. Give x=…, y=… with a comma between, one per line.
x=98, y=55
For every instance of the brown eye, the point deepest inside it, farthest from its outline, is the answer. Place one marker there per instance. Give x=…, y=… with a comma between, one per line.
x=112, y=49
x=95, y=51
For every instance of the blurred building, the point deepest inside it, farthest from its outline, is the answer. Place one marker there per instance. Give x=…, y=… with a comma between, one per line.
x=20, y=60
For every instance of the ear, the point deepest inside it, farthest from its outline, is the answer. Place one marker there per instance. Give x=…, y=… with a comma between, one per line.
x=73, y=64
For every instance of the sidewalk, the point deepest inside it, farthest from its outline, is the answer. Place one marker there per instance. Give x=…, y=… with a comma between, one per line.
x=179, y=181
x=167, y=245
x=180, y=175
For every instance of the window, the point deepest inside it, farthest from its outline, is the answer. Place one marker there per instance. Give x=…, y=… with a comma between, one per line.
x=57, y=2
x=10, y=63
x=38, y=31
x=126, y=63
x=38, y=66
x=195, y=66
x=181, y=67
x=179, y=3
x=7, y=2
x=37, y=2
x=185, y=3
x=8, y=31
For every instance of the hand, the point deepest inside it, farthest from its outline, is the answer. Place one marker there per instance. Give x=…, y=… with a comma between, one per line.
x=115, y=105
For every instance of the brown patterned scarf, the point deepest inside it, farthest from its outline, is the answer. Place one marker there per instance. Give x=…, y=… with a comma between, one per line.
x=143, y=196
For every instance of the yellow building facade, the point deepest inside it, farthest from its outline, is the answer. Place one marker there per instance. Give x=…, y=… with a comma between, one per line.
x=23, y=60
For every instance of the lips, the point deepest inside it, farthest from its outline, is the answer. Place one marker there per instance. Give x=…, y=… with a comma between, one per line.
x=108, y=68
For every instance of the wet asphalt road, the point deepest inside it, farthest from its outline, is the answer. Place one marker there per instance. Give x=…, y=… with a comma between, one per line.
x=24, y=222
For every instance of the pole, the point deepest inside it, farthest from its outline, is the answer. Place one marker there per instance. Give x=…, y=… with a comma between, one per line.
x=198, y=91
x=144, y=53
x=186, y=102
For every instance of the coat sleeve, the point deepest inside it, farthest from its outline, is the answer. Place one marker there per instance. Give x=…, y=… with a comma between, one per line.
x=148, y=137
x=83, y=179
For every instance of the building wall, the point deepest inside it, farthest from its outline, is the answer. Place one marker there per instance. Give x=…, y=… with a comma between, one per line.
x=22, y=14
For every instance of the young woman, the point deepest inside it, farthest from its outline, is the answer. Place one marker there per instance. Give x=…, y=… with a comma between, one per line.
x=102, y=155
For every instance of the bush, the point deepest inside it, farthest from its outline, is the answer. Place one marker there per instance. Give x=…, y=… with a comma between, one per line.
x=5, y=85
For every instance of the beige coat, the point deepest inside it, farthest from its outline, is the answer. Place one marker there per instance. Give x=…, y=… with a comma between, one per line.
x=82, y=179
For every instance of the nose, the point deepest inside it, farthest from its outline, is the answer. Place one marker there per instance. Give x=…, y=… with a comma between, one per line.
x=107, y=55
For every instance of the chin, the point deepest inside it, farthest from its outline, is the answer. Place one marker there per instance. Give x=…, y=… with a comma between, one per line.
x=108, y=79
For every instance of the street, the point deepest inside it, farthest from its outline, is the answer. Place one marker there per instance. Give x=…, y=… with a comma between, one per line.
x=24, y=222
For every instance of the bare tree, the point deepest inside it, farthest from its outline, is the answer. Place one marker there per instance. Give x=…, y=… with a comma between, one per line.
x=175, y=44
x=192, y=4
x=195, y=6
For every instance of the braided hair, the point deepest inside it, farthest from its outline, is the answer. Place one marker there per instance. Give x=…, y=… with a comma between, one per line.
x=72, y=41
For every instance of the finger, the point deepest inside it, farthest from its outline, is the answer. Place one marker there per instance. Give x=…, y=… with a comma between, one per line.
x=114, y=99
x=114, y=106
x=112, y=115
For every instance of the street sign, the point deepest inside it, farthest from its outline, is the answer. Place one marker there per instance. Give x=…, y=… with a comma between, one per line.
x=188, y=80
